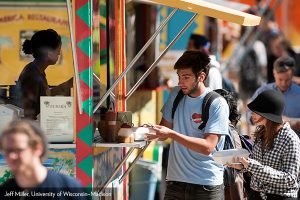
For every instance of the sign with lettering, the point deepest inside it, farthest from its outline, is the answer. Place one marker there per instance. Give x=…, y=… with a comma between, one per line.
x=57, y=118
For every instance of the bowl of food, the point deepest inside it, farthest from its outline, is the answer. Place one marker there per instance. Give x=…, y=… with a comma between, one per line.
x=125, y=134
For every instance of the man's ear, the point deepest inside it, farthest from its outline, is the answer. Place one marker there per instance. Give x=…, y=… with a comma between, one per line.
x=273, y=72
x=201, y=77
x=39, y=149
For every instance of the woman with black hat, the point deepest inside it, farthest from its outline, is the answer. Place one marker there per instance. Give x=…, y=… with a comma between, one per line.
x=275, y=161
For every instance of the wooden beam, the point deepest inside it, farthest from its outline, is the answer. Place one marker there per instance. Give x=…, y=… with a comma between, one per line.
x=209, y=9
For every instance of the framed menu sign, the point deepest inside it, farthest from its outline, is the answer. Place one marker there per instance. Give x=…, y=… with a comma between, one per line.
x=57, y=118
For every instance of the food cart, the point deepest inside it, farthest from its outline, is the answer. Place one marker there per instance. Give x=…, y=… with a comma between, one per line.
x=98, y=165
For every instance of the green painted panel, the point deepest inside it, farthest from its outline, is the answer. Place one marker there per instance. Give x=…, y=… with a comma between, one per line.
x=85, y=134
x=86, y=164
x=87, y=104
x=84, y=14
x=85, y=46
x=85, y=76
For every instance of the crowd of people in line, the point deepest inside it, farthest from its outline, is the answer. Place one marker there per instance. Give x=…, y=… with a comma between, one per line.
x=273, y=165
x=268, y=87
x=266, y=83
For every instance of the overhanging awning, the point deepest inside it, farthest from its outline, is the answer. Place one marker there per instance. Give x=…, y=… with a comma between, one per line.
x=230, y=4
x=198, y=7
x=209, y=9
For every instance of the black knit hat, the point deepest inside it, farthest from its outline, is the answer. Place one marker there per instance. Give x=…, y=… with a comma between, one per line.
x=269, y=104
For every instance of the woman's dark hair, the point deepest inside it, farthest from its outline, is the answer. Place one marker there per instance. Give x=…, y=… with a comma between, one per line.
x=45, y=38
x=234, y=115
x=267, y=134
x=197, y=60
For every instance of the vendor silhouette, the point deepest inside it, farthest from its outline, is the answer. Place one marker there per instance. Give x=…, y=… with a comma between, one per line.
x=45, y=47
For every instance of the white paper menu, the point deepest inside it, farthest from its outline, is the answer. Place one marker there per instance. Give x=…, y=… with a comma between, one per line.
x=57, y=118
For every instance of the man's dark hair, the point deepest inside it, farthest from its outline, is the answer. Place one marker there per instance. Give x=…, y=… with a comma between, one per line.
x=197, y=60
x=200, y=41
x=284, y=63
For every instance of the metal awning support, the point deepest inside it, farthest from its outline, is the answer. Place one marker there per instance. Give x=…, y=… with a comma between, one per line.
x=97, y=79
x=131, y=64
x=259, y=31
x=100, y=188
x=140, y=153
x=196, y=6
x=77, y=80
x=149, y=70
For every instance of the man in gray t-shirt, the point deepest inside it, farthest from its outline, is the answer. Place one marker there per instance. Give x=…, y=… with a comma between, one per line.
x=191, y=169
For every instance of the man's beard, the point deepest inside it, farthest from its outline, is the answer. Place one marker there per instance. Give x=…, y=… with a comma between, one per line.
x=194, y=89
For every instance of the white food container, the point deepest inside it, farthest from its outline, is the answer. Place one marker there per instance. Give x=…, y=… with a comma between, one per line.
x=230, y=156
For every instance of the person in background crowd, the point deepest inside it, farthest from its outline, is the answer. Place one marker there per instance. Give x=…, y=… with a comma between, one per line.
x=274, y=164
x=168, y=84
x=283, y=73
x=201, y=43
x=237, y=190
x=268, y=24
x=279, y=46
x=251, y=60
x=24, y=147
x=45, y=46
x=253, y=66
x=192, y=172
x=276, y=49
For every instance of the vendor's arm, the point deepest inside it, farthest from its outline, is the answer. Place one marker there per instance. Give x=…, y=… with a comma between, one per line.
x=31, y=92
x=62, y=89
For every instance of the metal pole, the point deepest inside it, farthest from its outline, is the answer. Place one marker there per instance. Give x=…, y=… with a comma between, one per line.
x=132, y=164
x=257, y=33
x=135, y=59
x=97, y=79
x=79, y=99
x=245, y=36
x=116, y=170
x=107, y=50
x=162, y=54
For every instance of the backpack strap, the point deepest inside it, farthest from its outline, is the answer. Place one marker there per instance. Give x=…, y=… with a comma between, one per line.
x=176, y=102
x=208, y=99
x=229, y=141
x=246, y=144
